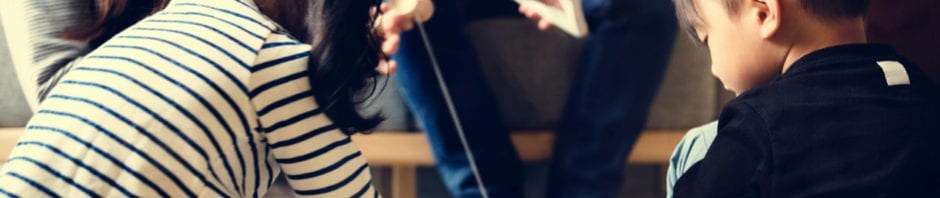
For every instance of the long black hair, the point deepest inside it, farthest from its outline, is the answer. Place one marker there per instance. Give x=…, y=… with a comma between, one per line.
x=344, y=56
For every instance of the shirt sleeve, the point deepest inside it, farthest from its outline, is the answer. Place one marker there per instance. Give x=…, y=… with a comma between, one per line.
x=690, y=150
x=317, y=158
x=737, y=160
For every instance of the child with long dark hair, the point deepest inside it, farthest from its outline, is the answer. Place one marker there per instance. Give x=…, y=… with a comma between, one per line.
x=207, y=99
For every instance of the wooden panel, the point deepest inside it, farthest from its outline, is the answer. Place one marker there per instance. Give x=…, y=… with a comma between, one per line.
x=403, y=148
x=394, y=148
x=8, y=137
x=404, y=182
x=655, y=147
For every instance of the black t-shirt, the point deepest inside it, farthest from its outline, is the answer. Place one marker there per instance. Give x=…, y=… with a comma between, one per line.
x=845, y=121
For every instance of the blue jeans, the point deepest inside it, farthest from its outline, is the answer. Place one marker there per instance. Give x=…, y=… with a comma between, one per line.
x=621, y=67
x=620, y=70
x=475, y=104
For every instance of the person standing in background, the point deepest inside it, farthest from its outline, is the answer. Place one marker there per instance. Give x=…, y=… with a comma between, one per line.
x=621, y=67
x=475, y=104
x=619, y=72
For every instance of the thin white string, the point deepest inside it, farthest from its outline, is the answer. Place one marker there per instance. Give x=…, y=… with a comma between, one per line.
x=453, y=110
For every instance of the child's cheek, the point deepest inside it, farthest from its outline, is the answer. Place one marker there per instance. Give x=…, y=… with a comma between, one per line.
x=721, y=70
x=720, y=66
x=735, y=72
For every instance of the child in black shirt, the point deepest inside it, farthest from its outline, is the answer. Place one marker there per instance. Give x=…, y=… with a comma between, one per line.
x=819, y=113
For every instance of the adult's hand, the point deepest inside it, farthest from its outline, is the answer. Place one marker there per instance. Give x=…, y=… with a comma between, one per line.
x=389, y=26
x=532, y=15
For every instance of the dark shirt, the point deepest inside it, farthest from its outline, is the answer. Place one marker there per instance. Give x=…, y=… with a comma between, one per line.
x=841, y=122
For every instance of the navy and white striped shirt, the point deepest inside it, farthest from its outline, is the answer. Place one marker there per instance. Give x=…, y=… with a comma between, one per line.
x=203, y=99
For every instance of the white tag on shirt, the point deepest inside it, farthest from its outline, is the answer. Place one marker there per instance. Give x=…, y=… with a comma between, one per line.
x=895, y=74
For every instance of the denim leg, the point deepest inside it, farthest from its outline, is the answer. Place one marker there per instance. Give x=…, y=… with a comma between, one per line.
x=476, y=107
x=621, y=67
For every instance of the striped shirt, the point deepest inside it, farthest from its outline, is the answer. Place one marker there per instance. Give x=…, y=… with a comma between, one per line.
x=203, y=99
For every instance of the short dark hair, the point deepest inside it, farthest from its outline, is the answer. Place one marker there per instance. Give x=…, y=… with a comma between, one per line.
x=825, y=9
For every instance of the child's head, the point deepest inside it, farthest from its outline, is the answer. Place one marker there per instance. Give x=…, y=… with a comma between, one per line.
x=753, y=41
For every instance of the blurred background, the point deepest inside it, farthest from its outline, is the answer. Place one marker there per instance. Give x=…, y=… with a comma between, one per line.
x=532, y=72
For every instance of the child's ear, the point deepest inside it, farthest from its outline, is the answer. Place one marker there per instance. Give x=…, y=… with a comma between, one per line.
x=768, y=16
